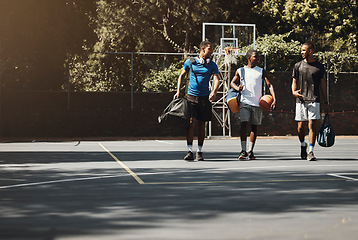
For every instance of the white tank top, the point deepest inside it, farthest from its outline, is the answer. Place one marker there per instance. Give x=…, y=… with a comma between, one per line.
x=252, y=91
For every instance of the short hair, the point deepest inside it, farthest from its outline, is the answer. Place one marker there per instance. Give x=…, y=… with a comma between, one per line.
x=310, y=45
x=250, y=53
x=204, y=44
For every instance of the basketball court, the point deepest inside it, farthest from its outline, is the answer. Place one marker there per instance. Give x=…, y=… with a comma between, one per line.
x=144, y=190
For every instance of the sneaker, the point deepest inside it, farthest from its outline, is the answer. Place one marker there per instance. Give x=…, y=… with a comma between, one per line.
x=189, y=156
x=251, y=155
x=243, y=155
x=311, y=157
x=199, y=156
x=304, y=152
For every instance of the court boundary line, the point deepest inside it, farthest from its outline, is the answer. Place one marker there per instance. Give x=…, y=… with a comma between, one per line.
x=341, y=175
x=135, y=176
x=245, y=181
x=58, y=181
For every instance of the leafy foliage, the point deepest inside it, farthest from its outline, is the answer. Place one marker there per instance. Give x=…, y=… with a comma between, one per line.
x=322, y=22
x=278, y=51
x=47, y=44
x=164, y=80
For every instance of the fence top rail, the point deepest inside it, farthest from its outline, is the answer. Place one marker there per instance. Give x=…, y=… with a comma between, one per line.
x=192, y=54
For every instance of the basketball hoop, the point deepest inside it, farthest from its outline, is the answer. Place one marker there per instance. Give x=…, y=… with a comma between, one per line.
x=230, y=55
x=231, y=50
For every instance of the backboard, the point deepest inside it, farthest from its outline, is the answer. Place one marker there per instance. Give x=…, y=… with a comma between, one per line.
x=229, y=34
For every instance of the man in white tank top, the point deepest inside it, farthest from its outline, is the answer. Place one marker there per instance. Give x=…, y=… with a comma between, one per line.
x=250, y=86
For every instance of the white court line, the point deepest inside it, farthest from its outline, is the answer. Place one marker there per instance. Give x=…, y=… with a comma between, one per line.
x=166, y=142
x=338, y=175
x=341, y=175
x=58, y=181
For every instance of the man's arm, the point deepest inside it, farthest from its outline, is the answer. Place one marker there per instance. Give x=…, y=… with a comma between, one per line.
x=216, y=84
x=324, y=94
x=272, y=91
x=234, y=81
x=296, y=92
x=180, y=80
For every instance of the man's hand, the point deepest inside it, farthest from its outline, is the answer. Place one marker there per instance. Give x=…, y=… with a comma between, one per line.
x=240, y=87
x=176, y=95
x=297, y=94
x=212, y=96
x=273, y=105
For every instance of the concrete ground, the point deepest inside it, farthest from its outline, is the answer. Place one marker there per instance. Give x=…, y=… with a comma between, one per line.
x=144, y=190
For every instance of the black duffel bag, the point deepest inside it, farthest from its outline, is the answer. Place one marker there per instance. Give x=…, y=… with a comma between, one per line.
x=176, y=113
x=326, y=136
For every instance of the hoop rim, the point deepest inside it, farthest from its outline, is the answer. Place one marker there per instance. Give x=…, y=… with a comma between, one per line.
x=230, y=50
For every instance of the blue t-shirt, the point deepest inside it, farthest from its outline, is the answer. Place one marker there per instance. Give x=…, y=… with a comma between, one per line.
x=199, y=80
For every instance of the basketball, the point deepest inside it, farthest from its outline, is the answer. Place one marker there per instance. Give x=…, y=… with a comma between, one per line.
x=265, y=102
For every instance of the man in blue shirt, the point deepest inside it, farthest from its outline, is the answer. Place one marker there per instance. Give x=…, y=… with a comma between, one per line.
x=199, y=96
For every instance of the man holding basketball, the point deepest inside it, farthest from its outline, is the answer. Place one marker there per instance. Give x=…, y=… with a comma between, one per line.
x=199, y=97
x=308, y=80
x=251, y=88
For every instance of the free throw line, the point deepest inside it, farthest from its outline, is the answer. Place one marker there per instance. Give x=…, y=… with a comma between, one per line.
x=140, y=181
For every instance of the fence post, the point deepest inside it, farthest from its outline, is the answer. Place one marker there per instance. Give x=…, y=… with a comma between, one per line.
x=264, y=85
x=0, y=110
x=132, y=76
x=68, y=88
x=327, y=79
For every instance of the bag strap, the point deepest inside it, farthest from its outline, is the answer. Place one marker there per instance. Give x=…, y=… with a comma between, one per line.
x=192, y=60
x=326, y=118
x=242, y=75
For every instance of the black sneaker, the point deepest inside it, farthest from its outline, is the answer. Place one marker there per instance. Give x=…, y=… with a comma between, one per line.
x=199, y=156
x=189, y=156
x=243, y=155
x=311, y=157
x=251, y=155
x=304, y=151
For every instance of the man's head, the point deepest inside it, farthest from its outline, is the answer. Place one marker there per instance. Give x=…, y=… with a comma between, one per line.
x=307, y=50
x=253, y=57
x=206, y=49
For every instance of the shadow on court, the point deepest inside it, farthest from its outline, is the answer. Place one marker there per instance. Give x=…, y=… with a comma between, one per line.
x=114, y=203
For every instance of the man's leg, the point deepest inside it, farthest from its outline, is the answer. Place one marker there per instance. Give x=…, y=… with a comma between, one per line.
x=201, y=137
x=201, y=134
x=189, y=140
x=243, y=137
x=312, y=139
x=301, y=130
x=253, y=136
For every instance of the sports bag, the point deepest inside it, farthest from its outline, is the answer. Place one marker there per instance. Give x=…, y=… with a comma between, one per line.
x=176, y=113
x=326, y=136
x=232, y=98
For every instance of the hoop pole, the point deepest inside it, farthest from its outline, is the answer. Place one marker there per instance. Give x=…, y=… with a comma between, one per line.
x=254, y=36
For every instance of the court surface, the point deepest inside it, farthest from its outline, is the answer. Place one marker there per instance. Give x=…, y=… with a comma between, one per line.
x=144, y=190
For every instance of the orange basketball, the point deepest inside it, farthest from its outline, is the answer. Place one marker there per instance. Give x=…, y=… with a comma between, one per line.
x=265, y=102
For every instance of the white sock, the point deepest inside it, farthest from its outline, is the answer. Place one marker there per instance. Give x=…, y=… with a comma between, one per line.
x=200, y=148
x=311, y=147
x=190, y=147
x=243, y=145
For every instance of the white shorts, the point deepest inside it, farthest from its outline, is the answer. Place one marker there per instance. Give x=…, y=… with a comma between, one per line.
x=307, y=111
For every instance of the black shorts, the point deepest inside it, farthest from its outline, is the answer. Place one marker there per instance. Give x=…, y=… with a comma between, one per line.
x=200, y=107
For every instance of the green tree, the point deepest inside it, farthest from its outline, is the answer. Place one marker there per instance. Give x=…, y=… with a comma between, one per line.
x=36, y=37
x=138, y=25
x=331, y=24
